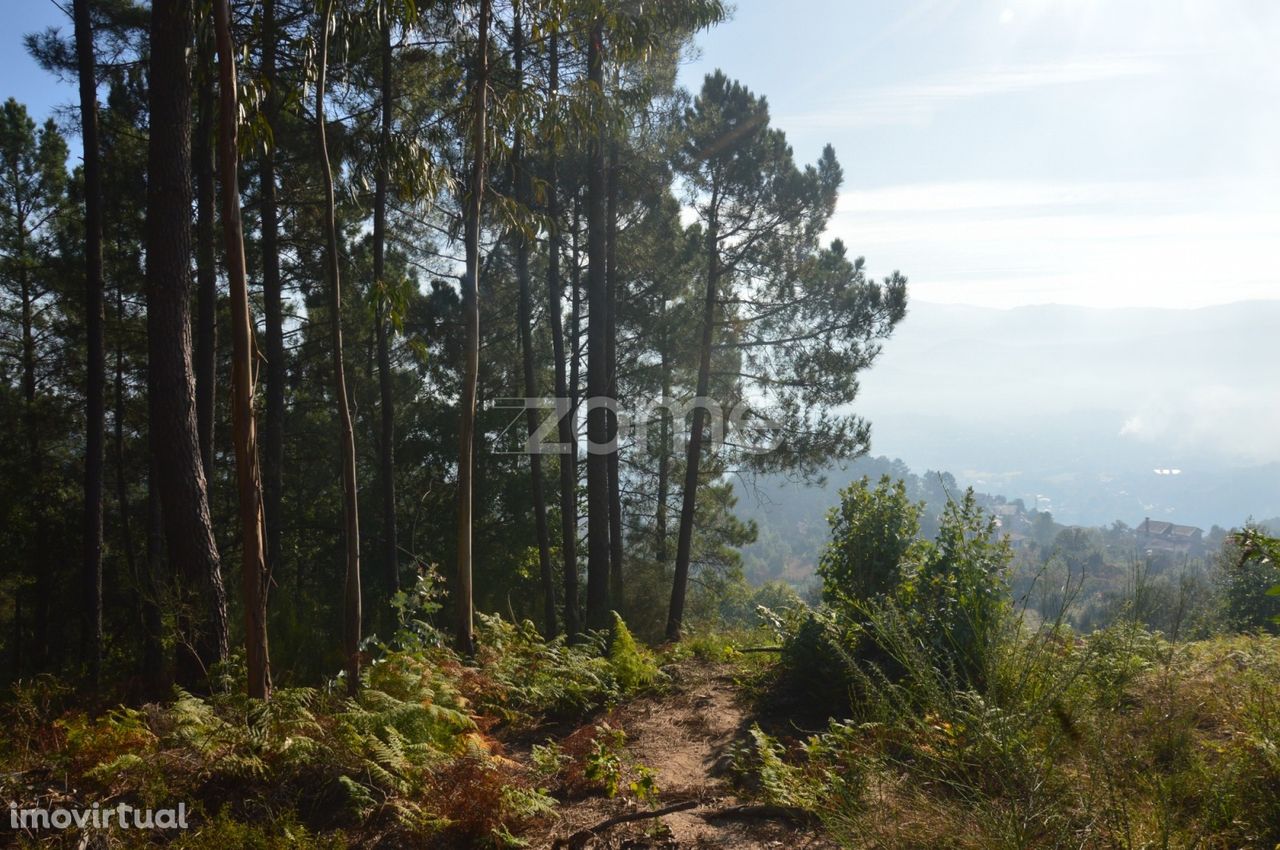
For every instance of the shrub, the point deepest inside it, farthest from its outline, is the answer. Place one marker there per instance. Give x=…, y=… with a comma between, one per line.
x=872, y=531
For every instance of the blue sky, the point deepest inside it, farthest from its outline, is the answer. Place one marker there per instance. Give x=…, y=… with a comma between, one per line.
x=1003, y=152
x=1010, y=152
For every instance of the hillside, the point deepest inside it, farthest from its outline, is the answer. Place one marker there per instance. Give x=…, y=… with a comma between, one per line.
x=1079, y=406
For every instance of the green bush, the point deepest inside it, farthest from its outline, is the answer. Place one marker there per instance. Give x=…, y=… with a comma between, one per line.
x=872, y=530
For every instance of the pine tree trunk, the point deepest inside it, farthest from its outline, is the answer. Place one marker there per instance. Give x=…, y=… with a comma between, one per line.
x=525, y=309
x=471, y=325
x=272, y=310
x=611, y=363
x=387, y=449
x=255, y=580
x=153, y=669
x=95, y=361
x=31, y=426
x=597, y=352
x=565, y=430
x=206, y=354
x=352, y=607
x=174, y=439
x=664, y=450
x=684, y=543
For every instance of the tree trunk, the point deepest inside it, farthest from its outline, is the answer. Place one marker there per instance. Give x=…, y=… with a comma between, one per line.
x=565, y=429
x=352, y=618
x=174, y=439
x=597, y=352
x=664, y=448
x=272, y=310
x=387, y=457
x=255, y=580
x=206, y=349
x=95, y=361
x=31, y=425
x=522, y=198
x=611, y=363
x=153, y=667
x=471, y=326
x=684, y=543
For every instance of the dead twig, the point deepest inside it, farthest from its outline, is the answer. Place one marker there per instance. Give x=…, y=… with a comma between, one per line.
x=579, y=839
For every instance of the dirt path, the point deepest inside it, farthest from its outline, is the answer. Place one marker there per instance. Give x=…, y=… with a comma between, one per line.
x=684, y=736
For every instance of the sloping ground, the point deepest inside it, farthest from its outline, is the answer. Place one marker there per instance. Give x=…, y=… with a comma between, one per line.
x=684, y=736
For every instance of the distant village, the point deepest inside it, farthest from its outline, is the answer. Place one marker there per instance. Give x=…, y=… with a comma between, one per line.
x=1029, y=530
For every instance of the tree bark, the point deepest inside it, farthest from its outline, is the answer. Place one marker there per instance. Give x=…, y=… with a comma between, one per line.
x=174, y=438
x=153, y=672
x=664, y=448
x=255, y=579
x=684, y=543
x=522, y=198
x=611, y=364
x=31, y=426
x=272, y=310
x=352, y=607
x=95, y=361
x=387, y=456
x=471, y=328
x=206, y=349
x=597, y=351
x=565, y=430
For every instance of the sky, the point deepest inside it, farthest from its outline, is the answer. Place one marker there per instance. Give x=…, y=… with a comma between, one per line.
x=1001, y=152
x=1013, y=152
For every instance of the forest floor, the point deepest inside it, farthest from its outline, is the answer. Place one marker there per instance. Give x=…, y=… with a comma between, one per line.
x=685, y=735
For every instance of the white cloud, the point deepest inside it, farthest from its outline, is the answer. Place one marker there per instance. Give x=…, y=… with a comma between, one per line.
x=915, y=103
x=1178, y=243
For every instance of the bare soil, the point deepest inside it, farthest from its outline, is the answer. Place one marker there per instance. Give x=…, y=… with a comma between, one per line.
x=684, y=735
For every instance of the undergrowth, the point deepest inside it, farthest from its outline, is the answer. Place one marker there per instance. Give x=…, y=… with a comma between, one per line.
x=412, y=760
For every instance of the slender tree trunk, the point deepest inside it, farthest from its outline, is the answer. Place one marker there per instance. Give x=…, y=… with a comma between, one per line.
x=255, y=579
x=352, y=619
x=565, y=429
x=31, y=425
x=664, y=449
x=153, y=672
x=147, y=585
x=522, y=198
x=174, y=438
x=611, y=363
x=95, y=361
x=206, y=349
x=597, y=352
x=273, y=310
x=575, y=379
x=387, y=457
x=471, y=325
x=684, y=543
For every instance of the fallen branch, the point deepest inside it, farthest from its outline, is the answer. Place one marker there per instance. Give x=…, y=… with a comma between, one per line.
x=579, y=839
x=759, y=810
x=747, y=649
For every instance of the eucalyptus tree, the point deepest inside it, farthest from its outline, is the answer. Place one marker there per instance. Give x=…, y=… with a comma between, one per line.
x=522, y=195
x=804, y=319
x=566, y=433
x=473, y=209
x=352, y=617
x=255, y=575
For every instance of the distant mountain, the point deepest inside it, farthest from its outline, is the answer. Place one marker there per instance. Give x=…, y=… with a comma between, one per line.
x=1095, y=415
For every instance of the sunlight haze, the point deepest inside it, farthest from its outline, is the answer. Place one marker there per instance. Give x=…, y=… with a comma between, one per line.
x=1050, y=151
